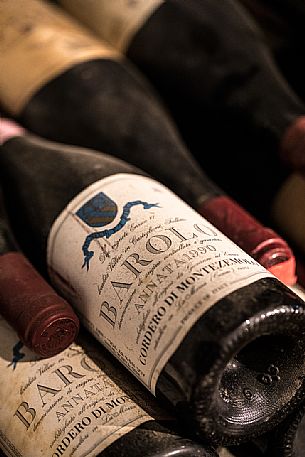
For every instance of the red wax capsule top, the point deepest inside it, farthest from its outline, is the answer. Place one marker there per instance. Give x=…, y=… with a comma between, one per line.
x=262, y=243
x=292, y=147
x=44, y=321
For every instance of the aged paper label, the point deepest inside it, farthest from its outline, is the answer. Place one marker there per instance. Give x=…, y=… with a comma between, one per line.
x=141, y=267
x=288, y=209
x=37, y=43
x=76, y=403
x=116, y=21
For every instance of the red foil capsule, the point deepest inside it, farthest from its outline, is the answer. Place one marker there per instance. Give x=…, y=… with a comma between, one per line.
x=44, y=321
x=262, y=243
x=292, y=147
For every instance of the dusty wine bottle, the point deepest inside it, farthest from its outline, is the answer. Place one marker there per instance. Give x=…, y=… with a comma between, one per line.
x=70, y=97
x=44, y=321
x=289, y=438
x=199, y=322
x=80, y=403
x=286, y=440
x=274, y=27
x=204, y=56
x=283, y=25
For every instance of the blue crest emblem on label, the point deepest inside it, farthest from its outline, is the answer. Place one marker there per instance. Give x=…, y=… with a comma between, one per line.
x=100, y=211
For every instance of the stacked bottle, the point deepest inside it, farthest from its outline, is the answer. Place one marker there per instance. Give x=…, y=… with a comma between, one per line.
x=205, y=56
x=211, y=64
x=80, y=402
x=45, y=322
x=78, y=94
x=177, y=302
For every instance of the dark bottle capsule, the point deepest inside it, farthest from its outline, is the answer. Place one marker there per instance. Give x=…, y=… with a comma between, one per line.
x=44, y=321
x=119, y=420
x=206, y=57
x=66, y=86
x=195, y=318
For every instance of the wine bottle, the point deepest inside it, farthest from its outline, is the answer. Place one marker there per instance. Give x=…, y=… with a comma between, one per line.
x=274, y=27
x=199, y=322
x=85, y=103
x=289, y=439
x=282, y=23
x=80, y=403
x=203, y=56
x=44, y=321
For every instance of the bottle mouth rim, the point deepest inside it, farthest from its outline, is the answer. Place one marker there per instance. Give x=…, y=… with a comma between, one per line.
x=210, y=408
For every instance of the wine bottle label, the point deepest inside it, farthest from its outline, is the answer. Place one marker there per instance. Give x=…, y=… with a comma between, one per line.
x=116, y=21
x=141, y=267
x=76, y=403
x=288, y=209
x=37, y=43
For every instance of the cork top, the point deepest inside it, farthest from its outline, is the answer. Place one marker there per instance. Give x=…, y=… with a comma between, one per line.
x=44, y=321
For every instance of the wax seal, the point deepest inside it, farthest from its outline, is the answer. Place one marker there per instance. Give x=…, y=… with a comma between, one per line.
x=262, y=243
x=44, y=321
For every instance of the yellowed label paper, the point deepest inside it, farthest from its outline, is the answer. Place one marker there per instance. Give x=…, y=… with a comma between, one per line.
x=38, y=42
x=76, y=403
x=116, y=21
x=288, y=209
x=141, y=267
